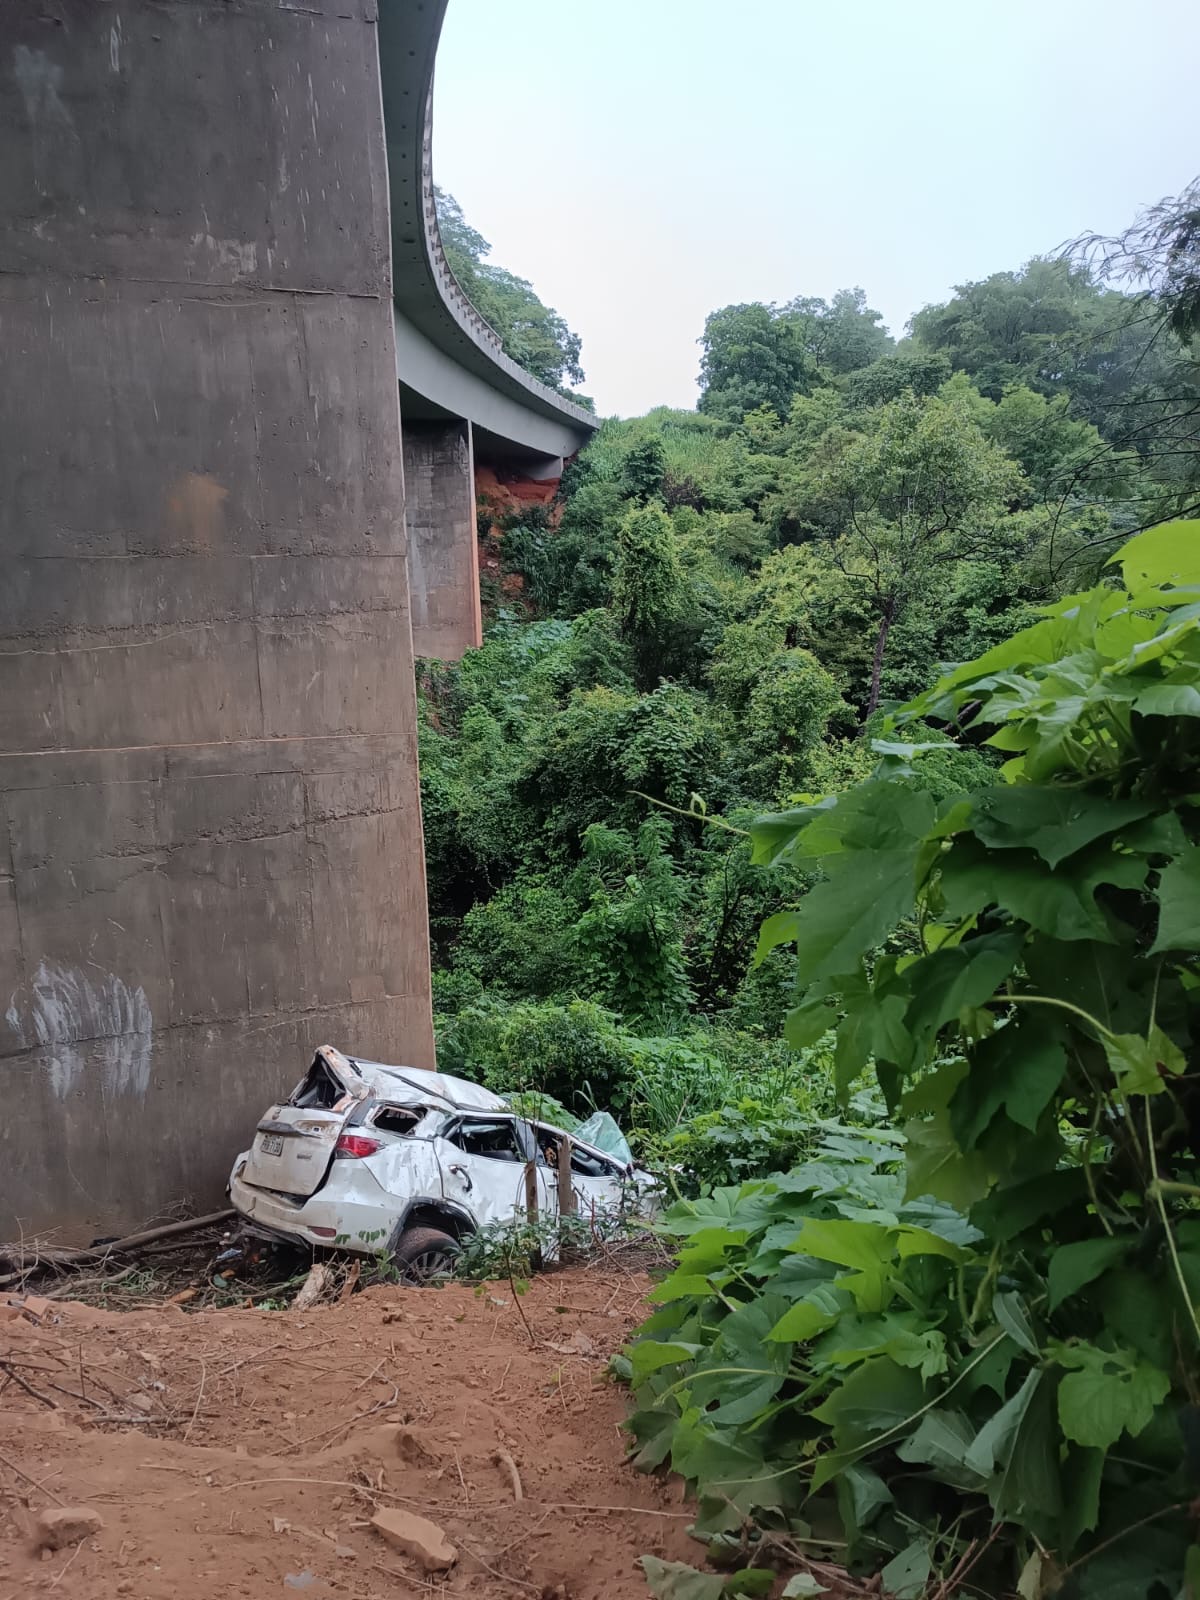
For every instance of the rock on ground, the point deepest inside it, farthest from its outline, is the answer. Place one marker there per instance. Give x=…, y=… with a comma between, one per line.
x=59, y=1526
x=417, y=1537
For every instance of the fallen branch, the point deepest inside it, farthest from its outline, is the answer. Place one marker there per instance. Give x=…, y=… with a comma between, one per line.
x=16, y=1377
x=45, y=1488
x=70, y=1258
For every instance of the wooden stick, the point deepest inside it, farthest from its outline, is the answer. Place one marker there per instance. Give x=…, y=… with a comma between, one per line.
x=28, y=1387
x=67, y=1258
x=45, y=1488
x=566, y=1194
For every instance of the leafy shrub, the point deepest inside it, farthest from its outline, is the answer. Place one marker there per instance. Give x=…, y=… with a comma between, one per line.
x=744, y=1140
x=575, y=1052
x=987, y=1363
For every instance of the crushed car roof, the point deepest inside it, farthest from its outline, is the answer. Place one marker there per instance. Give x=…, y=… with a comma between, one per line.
x=413, y=1086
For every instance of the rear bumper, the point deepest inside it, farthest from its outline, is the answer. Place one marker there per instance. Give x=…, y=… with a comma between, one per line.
x=361, y=1220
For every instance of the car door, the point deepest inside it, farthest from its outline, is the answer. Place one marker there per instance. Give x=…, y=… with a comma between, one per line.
x=483, y=1161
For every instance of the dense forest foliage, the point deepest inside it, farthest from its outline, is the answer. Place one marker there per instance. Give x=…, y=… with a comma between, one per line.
x=713, y=613
x=536, y=337
x=688, y=859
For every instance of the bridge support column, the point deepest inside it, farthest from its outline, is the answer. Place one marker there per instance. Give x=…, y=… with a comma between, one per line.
x=208, y=783
x=443, y=546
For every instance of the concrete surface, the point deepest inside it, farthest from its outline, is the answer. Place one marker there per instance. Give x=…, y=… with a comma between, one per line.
x=208, y=776
x=441, y=338
x=443, y=545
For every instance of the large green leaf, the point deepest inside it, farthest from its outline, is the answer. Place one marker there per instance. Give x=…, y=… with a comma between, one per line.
x=649, y=1355
x=775, y=835
x=955, y=979
x=906, y=1575
x=861, y=1494
x=992, y=1445
x=1179, y=904
x=673, y=1580
x=1140, y=1065
x=1169, y=553
x=1017, y=1070
x=1081, y=1494
x=722, y=1463
x=1177, y=696
x=654, y=1430
x=1056, y=822
x=873, y=1026
x=1100, y=979
x=904, y=1336
x=844, y=917
x=876, y=1397
x=1138, y=1312
x=880, y=815
x=1010, y=1210
x=1028, y=1484
x=745, y=1369
x=807, y=1317
x=1011, y=1312
x=863, y=1246
x=1073, y=1266
x=1061, y=903
x=936, y=1165
x=1106, y=1393
x=943, y=1441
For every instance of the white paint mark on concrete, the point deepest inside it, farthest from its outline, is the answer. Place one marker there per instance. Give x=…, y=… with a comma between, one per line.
x=39, y=80
x=241, y=257
x=86, y=1024
x=54, y=140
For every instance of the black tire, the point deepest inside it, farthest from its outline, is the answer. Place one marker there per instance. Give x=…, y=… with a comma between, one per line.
x=424, y=1255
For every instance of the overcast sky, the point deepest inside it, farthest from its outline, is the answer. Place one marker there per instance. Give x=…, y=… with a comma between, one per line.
x=643, y=162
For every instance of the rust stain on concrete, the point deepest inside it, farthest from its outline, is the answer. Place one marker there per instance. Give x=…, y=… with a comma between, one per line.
x=195, y=510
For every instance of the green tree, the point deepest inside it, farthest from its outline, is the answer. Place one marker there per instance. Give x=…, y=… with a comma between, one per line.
x=920, y=371
x=649, y=588
x=753, y=356
x=536, y=337
x=1160, y=251
x=841, y=335
x=916, y=488
x=1039, y=326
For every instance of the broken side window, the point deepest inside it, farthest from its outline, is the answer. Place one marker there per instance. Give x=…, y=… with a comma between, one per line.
x=583, y=1162
x=396, y=1119
x=497, y=1140
x=590, y=1166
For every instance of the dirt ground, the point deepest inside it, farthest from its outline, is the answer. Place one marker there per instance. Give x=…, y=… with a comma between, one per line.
x=243, y=1452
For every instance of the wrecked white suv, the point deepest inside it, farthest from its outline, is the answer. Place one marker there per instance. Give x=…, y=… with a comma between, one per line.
x=370, y=1158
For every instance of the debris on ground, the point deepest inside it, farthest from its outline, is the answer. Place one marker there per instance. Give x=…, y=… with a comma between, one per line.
x=196, y=1431
x=60, y=1526
x=417, y=1537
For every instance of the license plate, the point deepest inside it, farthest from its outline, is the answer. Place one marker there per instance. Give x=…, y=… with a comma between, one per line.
x=272, y=1144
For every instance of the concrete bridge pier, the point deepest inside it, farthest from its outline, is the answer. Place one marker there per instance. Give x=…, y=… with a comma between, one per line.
x=211, y=857
x=443, y=550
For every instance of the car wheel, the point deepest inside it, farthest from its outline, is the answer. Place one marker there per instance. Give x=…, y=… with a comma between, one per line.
x=421, y=1255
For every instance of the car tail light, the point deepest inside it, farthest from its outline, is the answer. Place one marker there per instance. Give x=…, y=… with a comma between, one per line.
x=354, y=1144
